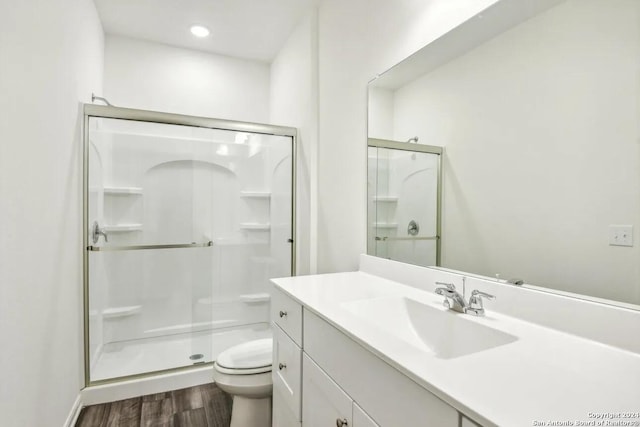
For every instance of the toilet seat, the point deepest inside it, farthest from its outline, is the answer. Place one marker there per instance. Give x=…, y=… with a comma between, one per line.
x=253, y=371
x=253, y=357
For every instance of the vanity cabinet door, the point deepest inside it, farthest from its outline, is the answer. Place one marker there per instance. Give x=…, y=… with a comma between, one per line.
x=361, y=419
x=287, y=371
x=323, y=402
x=282, y=415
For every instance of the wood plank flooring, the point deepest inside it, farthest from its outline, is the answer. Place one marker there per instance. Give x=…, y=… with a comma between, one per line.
x=201, y=406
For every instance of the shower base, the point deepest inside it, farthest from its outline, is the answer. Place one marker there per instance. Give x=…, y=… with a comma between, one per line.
x=126, y=358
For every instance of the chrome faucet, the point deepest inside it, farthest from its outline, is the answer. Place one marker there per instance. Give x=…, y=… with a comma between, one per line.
x=456, y=302
x=452, y=299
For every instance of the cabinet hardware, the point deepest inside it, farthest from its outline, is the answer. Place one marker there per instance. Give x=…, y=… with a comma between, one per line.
x=283, y=313
x=281, y=366
x=341, y=422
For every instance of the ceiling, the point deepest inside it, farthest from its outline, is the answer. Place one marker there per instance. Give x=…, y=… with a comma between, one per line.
x=252, y=29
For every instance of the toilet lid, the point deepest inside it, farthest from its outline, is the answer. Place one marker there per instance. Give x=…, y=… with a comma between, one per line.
x=248, y=355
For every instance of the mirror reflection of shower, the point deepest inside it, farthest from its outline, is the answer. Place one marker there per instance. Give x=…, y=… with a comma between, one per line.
x=404, y=201
x=198, y=220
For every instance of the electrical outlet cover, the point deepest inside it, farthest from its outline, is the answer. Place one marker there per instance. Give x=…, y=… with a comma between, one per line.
x=620, y=235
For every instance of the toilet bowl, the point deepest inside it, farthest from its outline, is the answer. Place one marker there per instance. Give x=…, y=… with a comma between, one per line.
x=244, y=371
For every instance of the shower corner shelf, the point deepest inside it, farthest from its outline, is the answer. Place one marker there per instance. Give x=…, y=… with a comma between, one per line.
x=255, y=226
x=123, y=191
x=256, y=194
x=385, y=225
x=118, y=312
x=258, y=298
x=386, y=199
x=122, y=228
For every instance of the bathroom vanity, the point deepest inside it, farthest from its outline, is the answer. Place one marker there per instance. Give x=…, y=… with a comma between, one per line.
x=368, y=349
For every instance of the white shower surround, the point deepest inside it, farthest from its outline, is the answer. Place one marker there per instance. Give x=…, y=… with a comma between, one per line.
x=153, y=183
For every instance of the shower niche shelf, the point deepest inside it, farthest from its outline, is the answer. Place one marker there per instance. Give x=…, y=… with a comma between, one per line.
x=117, y=191
x=254, y=210
x=122, y=208
x=256, y=194
x=122, y=228
x=386, y=225
x=118, y=312
x=253, y=299
x=123, y=191
x=255, y=226
x=385, y=199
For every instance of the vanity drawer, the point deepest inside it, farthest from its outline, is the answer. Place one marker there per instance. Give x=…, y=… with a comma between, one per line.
x=287, y=313
x=287, y=371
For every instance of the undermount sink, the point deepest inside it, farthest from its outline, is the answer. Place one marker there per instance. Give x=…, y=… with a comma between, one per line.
x=445, y=334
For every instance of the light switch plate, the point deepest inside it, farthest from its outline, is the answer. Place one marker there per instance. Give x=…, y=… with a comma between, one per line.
x=621, y=235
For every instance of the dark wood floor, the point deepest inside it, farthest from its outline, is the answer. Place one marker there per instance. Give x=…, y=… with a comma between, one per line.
x=201, y=406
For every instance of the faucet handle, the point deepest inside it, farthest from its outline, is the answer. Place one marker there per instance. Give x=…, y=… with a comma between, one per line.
x=479, y=295
x=96, y=232
x=475, y=302
x=449, y=286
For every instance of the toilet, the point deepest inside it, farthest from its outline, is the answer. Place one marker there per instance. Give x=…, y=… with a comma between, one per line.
x=244, y=371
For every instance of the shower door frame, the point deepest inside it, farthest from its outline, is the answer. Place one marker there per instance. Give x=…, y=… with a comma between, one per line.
x=415, y=148
x=111, y=112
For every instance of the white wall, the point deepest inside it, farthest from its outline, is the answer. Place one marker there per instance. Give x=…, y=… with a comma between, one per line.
x=357, y=40
x=540, y=128
x=380, y=113
x=294, y=102
x=51, y=55
x=153, y=76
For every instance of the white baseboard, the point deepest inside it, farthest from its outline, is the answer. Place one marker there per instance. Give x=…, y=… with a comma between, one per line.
x=74, y=413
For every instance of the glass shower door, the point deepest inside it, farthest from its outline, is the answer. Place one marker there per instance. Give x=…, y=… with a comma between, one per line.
x=403, y=202
x=186, y=225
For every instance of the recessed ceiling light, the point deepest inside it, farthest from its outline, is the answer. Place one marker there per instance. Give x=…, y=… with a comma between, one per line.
x=199, y=31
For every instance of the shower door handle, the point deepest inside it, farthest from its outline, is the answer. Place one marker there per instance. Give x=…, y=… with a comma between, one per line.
x=96, y=232
x=145, y=247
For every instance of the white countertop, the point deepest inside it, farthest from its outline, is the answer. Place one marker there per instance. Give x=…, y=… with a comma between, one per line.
x=544, y=376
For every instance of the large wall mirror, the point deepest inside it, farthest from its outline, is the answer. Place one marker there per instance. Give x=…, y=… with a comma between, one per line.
x=536, y=105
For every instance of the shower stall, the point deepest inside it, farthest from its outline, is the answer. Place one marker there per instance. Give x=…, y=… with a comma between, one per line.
x=404, y=188
x=186, y=219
